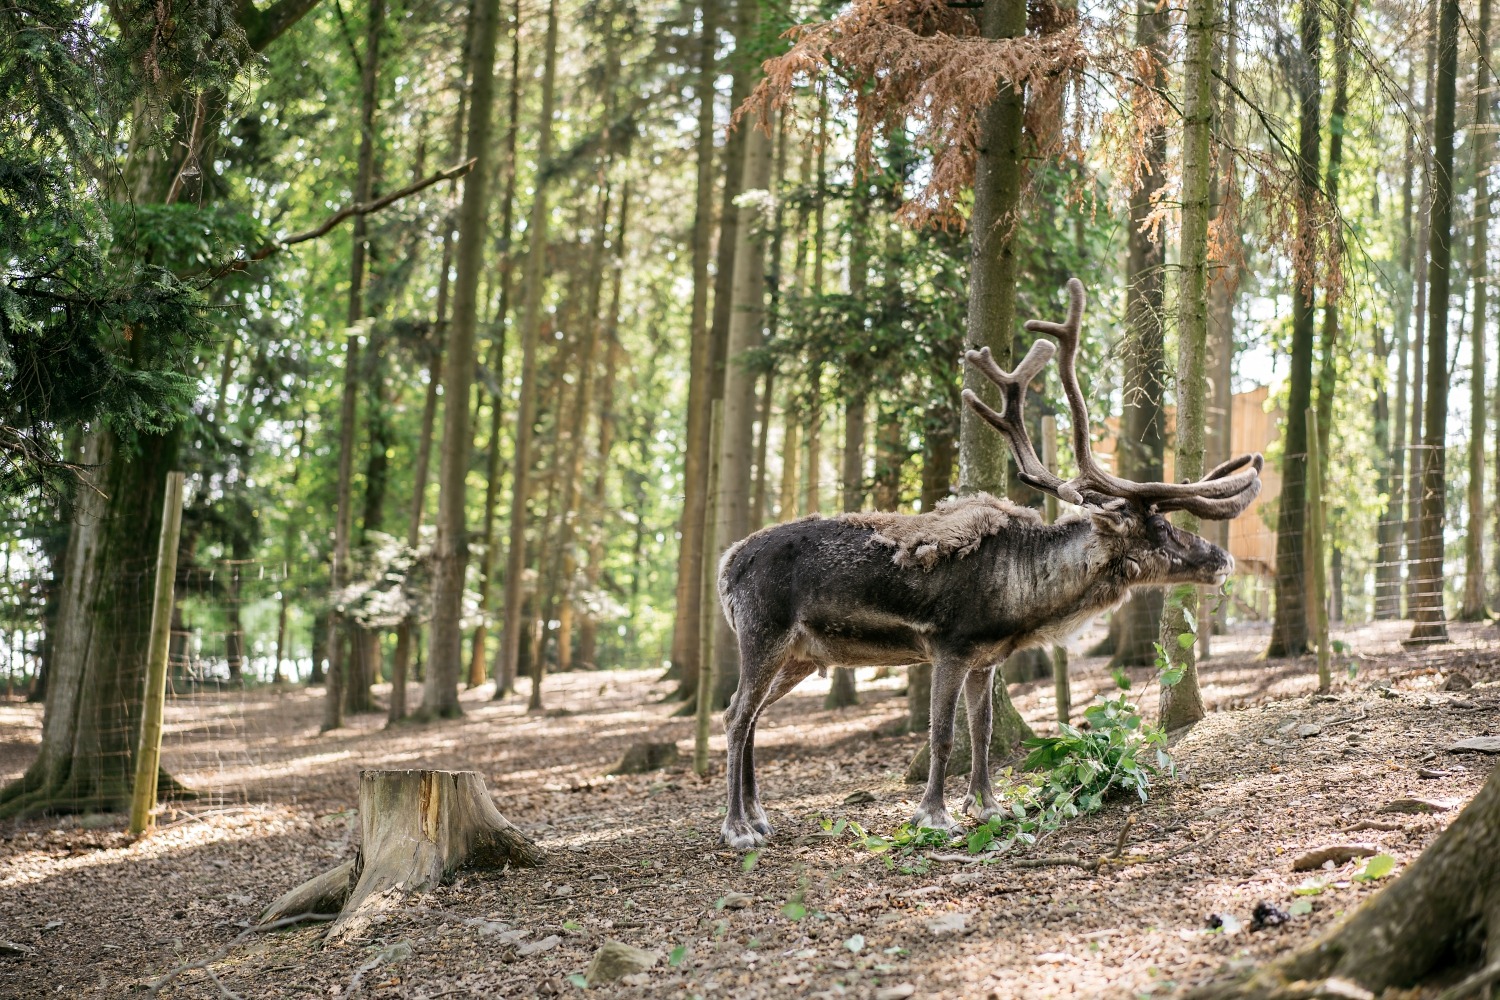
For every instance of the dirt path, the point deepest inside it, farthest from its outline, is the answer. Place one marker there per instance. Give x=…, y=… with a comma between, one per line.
x=1272, y=773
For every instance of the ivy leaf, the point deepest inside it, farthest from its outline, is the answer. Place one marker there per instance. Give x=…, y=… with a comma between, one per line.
x=1377, y=867
x=1185, y=640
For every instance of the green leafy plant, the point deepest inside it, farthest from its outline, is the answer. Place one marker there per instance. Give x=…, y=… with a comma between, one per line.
x=1068, y=775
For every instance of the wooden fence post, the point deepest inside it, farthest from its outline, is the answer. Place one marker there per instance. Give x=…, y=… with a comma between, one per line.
x=1316, y=527
x=710, y=602
x=1061, y=689
x=148, y=756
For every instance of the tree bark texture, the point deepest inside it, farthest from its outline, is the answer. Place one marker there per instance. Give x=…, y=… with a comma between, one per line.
x=445, y=652
x=1181, y=704
x=1142, y=444
x=739, y=390
x=1474, y=605
x=690, y=526
x=531, y=320
x=1289, y=627
x=992, y=260
x=1430, y=619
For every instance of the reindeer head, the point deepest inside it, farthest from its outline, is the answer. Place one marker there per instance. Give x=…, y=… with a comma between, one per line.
x=1138, y=542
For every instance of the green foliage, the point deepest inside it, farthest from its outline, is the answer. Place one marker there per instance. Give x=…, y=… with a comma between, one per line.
x=1069, y=775
x=99, y=319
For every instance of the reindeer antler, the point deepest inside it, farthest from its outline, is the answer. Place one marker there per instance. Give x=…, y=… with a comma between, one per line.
x=1222, y=494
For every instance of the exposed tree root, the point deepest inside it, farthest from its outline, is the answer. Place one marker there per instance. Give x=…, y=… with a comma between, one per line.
x=77, y=790
x=1440, y=918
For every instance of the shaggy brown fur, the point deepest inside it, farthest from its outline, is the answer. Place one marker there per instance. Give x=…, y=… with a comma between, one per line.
x=954, y=527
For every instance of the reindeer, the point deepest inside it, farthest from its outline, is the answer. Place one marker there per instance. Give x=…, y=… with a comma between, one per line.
x=962, y=587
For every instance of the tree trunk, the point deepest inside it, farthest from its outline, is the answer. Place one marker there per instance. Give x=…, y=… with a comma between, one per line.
x=1474, y=589
x=992, y=260
x=1392, y=529
x=1441, y=916
x=992, y=309
x=1181, y=703
x=690, y=526
x=234, y=628
x=1142, y=442
x=445, y=652
x=937, y=464
x=1430, y=619
x=91, y=724
x=532, y=280
x=739, y=390
x=339, y=668
x=1415, y=463
x=588, y=636
x=1289, y=628
x=417, y=830
x=786, y=508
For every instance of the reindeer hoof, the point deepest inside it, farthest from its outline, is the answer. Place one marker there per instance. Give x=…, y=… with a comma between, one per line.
x=741, y=836
x=984, y=813
x=936, y=819
x=762, y=826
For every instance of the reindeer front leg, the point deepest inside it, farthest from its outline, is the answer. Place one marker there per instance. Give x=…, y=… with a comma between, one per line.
x=947, y=680
x=979, y=800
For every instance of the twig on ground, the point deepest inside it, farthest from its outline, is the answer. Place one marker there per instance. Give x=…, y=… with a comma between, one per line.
x=1374, y=824
x=1124, y=835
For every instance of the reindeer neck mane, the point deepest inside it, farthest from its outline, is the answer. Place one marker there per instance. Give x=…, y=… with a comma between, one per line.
x=954, y=528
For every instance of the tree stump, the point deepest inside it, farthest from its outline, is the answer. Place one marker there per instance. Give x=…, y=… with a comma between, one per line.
x=417, y=829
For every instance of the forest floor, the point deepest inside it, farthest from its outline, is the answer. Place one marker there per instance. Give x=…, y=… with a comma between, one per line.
x=1272, y=772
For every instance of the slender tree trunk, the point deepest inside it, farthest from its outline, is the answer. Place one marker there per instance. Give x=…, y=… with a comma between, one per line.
x=1142, y=443
x=690, y=526
x=992, y=300
x=503, y=681
x=531, y=320
x=739, y=390
x=1474, y=589
x=786, y=508
x=1182, y=703
x=1393, y=524
x=1317, y=486
x=588, y=636
x=477, y=656
x=1415, y=463
x=444, y=668
x=339, y=668
x=1430, y=619
x=937, y=464
x=1222, y=292
x=1289, y=628
x=762, y=448
x=812, y=503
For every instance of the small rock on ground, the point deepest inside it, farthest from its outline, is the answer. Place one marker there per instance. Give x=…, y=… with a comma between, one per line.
x=1477, y=744
x=615, y=960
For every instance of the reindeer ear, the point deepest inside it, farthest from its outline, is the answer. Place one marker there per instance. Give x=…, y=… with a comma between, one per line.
x=1112, y=518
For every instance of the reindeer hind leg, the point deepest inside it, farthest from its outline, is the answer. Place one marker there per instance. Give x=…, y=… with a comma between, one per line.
x=758, y=672
x=788, y=675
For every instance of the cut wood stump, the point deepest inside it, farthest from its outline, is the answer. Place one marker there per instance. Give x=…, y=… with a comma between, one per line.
x=417, y=829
